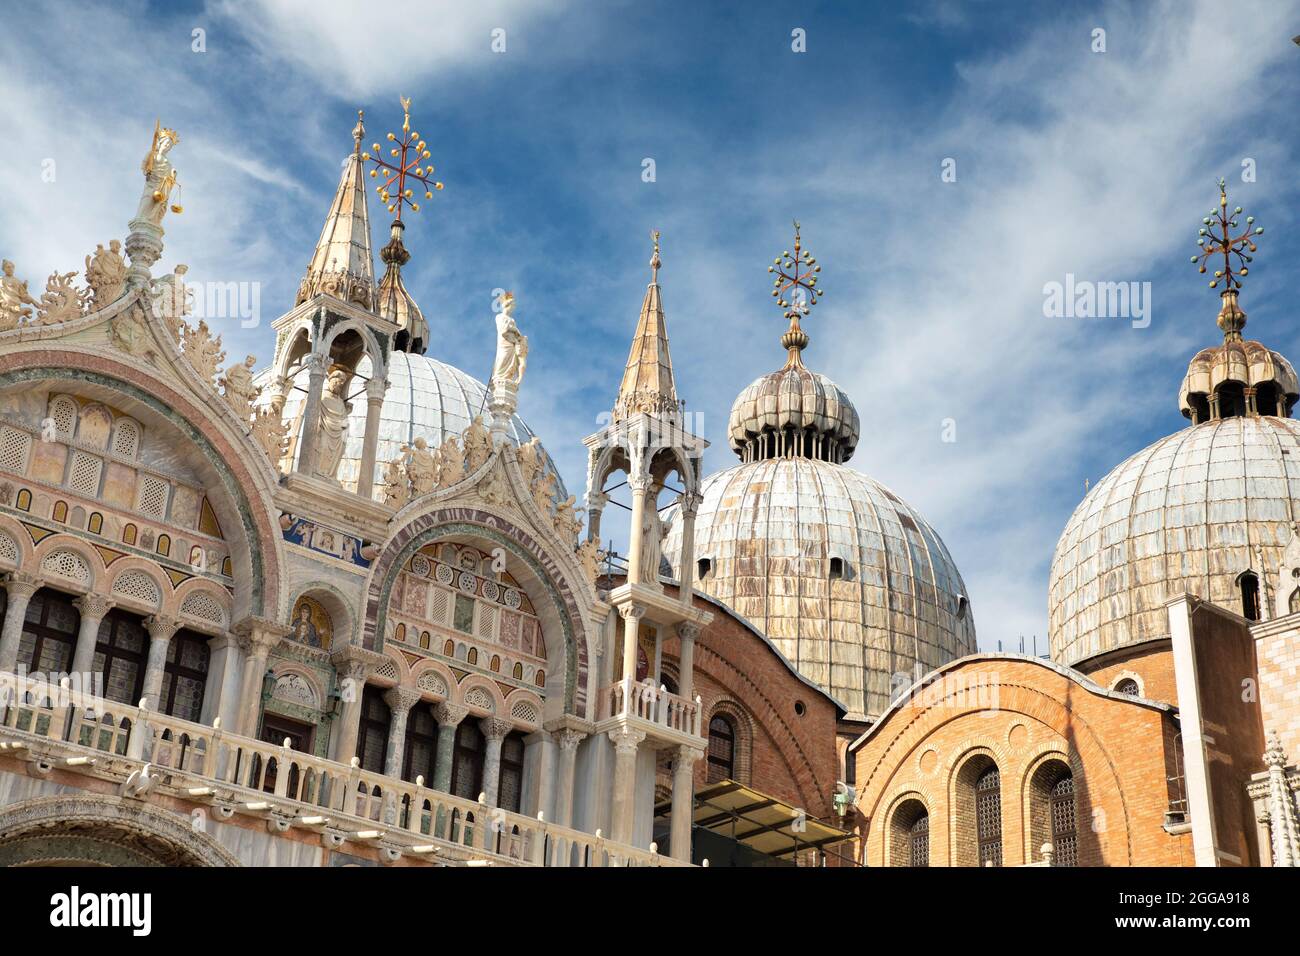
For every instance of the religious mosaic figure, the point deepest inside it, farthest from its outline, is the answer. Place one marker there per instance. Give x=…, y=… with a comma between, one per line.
x=106, y=273
x=333, y=431
x=311, y=624
x=15, y=300
x=159, y=177
x=512, y=345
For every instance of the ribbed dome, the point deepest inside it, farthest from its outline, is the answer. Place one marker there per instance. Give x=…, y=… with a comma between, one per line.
x=1185, y=514
x=769, y=530
x=793, y=405
x=397, y=305
x=425, y=398
x=1247, y=363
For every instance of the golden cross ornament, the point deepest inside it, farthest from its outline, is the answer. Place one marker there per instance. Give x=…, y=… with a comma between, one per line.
x=1216, y=239
x=404, y=168
x=795, y=286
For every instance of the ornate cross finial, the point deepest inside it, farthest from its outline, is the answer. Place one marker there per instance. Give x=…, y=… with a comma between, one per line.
x=795, y=290
x=654, y=259
x=406, y=157
x=1223, y=243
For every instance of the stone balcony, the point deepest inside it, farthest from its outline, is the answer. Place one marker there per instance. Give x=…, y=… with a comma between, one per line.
x=667, y=719
x=144, y=753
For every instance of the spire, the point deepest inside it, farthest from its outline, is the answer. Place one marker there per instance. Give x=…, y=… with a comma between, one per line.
x=342, y=264
x=648, y=379
x=395, y=303
x=1283, y=822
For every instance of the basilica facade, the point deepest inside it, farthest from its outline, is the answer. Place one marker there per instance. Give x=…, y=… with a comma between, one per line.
x=337, y=607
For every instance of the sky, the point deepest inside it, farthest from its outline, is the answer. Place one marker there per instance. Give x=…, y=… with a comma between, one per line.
x=948, y=161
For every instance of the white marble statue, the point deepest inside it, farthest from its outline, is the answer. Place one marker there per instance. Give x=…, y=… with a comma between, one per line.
x=238, y=388
x=652, y=539
x=334, y=411
x=159, y=177
x=512, y=345
x=421, y=467
x=15, y=301
x=106, y=273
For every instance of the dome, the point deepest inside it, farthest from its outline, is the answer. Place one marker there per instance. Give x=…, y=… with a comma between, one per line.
x=1189, y=513
x=847, y=580
x=1247, y=364
x=794, y=405
x=425, y=398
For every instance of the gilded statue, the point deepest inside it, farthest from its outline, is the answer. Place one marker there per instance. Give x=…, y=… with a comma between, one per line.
x=159, y=177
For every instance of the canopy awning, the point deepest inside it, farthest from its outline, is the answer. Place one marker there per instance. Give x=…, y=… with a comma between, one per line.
x=760, y=822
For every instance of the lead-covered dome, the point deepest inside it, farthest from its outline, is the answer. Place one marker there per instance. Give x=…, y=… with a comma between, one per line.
x=1193, y=512
x=425, y=398
x=846, y=578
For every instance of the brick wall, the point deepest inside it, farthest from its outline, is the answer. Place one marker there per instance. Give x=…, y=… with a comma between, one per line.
x=1152, y=664
x=1034, y=722
x=1277, y=648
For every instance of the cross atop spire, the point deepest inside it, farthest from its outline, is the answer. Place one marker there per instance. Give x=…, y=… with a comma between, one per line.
x=648, y=384
x=1216, y=239
x=795, y=290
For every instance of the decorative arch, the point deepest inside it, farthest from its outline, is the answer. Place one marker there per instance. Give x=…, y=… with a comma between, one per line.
x=743, y=726
x=561, y=600
x=967, y=791
x=24, y=550
x=295, y=672
x=434, y=678
x=481, y=694
x=257, y=537
x=1043, y=773
x=907, y=826
x=202, y=602
x=94, y=564
x=126, y=583
x=98, y=829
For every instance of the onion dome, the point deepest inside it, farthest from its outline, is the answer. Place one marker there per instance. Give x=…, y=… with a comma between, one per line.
x=1206, y=511
x=793, y=412
x=1239, y=377
x=846, y=579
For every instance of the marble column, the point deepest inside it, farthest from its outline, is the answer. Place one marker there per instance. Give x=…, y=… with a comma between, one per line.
x=310, y=424
x=596, y=502
x=92, y=608
x=494, y=731
x=448, y=717
x=400, y=700
x=623, y=819
x=375, y=390
x=683, y=808
x=161, y=630
x=564, y=788
x=640, y=486
x=221, y=695
x=351, y=675
x=631, y=614
x=686, y=634
x=257, y=636
x=20, y=586
x=690, y=506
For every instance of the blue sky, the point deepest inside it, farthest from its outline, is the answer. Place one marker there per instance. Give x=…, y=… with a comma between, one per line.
x=1098, y=164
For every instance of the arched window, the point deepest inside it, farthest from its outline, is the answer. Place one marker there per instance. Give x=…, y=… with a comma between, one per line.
x=372, y=735
x=703, y=567
x=909, y=835
x=1249, y=584
x=185, y=676
x=1065, y=838
x=988, y=816
x=1053, y=813
x=421, y=750
x=837, y=569
x=467, y=764
x=1128, y=686
x=120, y=652
x=511, y=789
x=722, y=749
x=49, y=633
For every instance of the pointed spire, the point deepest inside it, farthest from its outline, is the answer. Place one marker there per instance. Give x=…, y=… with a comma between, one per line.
x=648, y=379
x=1283, y=822
x=342, y=265
x=395, y=303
